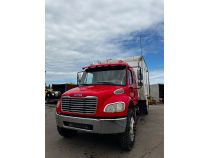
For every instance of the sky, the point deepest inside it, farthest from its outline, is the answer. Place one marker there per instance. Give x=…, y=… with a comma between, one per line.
x=79, y=33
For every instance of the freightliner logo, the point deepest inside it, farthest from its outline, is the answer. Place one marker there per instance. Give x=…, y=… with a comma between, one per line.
x=77, y=95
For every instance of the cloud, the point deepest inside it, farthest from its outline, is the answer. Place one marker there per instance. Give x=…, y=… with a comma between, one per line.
x=80, y=32
x=156, y=76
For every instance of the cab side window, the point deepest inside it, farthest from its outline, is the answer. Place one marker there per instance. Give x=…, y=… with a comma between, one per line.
x=130, y=78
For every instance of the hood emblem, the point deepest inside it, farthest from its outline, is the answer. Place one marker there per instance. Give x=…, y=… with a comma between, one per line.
x=77, y=95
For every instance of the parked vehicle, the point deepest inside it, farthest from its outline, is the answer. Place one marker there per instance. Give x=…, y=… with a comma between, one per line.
x=108, y=99
x=54, y=94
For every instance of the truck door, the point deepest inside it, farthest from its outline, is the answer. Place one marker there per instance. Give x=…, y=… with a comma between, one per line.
x=131, y=85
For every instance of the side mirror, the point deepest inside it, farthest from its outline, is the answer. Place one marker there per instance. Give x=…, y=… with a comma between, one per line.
x=79, y=77
x=140, y=84
x=139, y=74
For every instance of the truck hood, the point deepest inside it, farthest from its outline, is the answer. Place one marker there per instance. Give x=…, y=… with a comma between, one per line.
x=95, y=90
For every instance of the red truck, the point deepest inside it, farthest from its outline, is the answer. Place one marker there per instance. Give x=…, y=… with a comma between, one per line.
x=108, y=98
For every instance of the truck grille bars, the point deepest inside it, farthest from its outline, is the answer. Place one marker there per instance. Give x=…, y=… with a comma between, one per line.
x=83, y=105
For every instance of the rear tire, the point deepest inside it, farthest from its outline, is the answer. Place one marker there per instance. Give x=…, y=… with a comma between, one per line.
x=143, y=108
x=66, y=133
x=127, y=138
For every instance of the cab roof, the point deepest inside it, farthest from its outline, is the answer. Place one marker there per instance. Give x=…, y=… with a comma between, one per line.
x=107, y=63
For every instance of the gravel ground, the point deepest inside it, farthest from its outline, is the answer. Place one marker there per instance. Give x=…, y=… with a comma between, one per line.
x=149, y=139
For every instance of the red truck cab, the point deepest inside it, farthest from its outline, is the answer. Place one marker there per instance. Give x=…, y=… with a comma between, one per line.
x=106, y=102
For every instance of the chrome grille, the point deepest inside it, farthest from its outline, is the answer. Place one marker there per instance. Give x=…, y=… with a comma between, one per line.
x=84, y=105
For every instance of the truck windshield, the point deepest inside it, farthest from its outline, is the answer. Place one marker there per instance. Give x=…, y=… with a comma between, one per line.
x=104, y=76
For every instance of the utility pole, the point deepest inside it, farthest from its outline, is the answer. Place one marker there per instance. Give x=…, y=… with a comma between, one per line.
x=140, y=41
x=140, y=45
x=45, y=78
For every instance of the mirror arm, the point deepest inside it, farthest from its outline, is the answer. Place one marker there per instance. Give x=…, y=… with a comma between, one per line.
x=79, y=79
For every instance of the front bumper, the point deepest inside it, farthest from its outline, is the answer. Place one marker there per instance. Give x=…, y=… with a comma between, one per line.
x=92, y=125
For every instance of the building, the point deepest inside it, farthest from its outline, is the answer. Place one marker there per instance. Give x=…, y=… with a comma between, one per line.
x=157, y=92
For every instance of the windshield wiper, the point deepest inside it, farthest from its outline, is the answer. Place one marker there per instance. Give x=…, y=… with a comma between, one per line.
x=84, y=84
x=104, y=82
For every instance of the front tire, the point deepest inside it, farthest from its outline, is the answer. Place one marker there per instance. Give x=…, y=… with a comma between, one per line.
x=66, y=133
x=127, y=138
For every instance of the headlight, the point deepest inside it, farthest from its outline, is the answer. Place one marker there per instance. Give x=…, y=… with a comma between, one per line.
x=115, y=107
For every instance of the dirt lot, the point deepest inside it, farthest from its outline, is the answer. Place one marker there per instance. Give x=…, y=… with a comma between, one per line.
x=149, y=139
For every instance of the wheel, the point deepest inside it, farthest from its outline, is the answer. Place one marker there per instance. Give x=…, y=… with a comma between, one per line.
x=145, y=109
x=66, y=132
x=127, y=138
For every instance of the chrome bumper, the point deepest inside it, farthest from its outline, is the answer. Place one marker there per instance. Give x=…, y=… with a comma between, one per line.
x=92, y=125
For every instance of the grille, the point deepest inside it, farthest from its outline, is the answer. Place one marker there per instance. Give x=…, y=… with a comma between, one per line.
x=85, y=105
